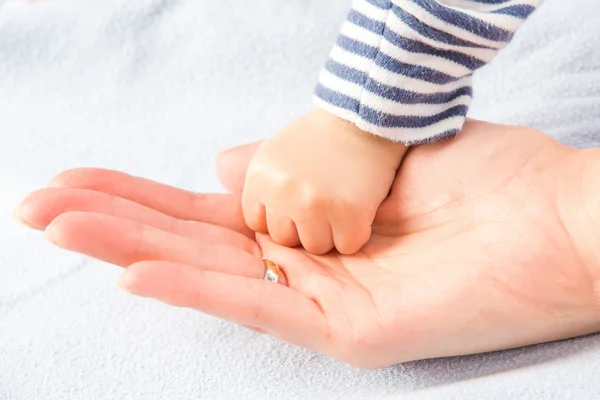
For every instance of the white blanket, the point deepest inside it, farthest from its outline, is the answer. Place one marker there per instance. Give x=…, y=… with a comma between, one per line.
x=156, y=88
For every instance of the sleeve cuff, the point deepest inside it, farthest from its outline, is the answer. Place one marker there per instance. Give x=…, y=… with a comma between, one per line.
x=405, y=73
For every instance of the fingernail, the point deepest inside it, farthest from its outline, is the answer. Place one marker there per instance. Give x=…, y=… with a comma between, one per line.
x=49, y=238
x=54, y=183
x=126, y=284
x=18, y=216
x=122, y=285
x=16, y=213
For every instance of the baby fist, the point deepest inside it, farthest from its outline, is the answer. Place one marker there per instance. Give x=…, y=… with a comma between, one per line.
x=319, y=183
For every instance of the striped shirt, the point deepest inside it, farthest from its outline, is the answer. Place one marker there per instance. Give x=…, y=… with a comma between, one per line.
x=402, y=69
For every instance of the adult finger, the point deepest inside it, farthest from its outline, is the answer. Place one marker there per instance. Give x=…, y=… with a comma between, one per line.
x=273, y=308
x=217, y=209
x=40, y=208
x=124, y=242
x=232, y=165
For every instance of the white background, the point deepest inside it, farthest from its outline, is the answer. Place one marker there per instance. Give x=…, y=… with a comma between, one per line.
x=157, y=88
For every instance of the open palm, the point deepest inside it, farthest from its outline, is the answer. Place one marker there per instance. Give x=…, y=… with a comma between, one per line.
x=480, y=246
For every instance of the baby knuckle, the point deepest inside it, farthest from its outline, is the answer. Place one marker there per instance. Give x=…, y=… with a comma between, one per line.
x=313, y=198
x=285, y=182
x=257, y=168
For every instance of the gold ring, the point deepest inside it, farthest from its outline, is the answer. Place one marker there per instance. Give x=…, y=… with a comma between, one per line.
x=271, y=271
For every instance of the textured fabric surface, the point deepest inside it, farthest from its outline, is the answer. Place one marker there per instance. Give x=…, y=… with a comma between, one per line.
x=156, y=88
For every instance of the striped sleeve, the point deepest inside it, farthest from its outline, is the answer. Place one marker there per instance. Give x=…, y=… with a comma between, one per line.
x=403, y=69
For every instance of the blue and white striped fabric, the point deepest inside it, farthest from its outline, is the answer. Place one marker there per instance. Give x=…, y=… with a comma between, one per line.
x=402, y=69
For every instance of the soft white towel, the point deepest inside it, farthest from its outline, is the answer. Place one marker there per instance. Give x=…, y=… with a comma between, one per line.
x=150, y=87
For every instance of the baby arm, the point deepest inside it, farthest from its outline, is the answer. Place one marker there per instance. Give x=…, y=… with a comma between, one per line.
x=399, y=74
x=403, y=69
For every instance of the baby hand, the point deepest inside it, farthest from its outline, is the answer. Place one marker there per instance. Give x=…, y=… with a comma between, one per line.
x=319, y=183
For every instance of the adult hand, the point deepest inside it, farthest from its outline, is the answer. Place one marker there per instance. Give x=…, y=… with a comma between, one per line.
x=486, y=242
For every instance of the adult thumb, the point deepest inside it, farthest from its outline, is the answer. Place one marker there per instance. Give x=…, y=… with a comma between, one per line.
x=232, y=165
